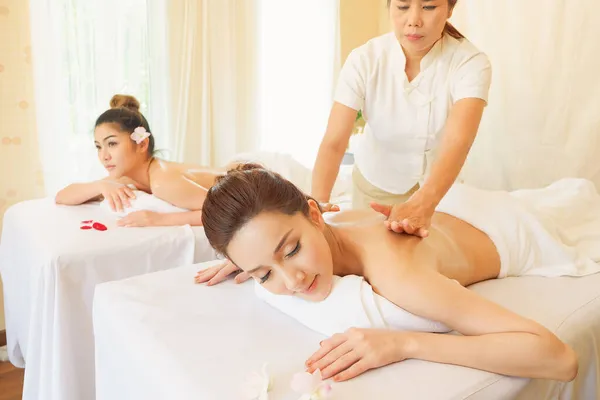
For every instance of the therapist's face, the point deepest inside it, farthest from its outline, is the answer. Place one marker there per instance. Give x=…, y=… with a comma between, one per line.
x=418, y=24
x=287, y=254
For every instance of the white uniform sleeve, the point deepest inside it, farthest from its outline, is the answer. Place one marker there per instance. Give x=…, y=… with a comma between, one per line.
x=472, y=79
x=350, y=89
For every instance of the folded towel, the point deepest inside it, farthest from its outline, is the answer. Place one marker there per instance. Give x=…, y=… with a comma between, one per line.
x=351, y=304
x=144, y=202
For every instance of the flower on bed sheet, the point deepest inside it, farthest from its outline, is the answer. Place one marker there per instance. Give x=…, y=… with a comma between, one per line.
x=139, y=134
x=311, y=386
x=257, y=385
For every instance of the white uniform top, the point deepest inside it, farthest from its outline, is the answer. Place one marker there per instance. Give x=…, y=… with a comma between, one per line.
x=404, y=119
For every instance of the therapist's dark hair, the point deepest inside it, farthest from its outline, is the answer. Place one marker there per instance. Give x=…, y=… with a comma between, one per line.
x=125, y=114
x=243, y=193
x=449, y=28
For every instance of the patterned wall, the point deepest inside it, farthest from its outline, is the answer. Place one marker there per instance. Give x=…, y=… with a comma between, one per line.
x=20, y=173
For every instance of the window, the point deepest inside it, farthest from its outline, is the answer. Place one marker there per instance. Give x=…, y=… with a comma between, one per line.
x=85, y=52
x=297, y=60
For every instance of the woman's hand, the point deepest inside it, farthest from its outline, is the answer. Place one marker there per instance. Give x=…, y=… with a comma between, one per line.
x=328, y=207
x=221, y=272
x=140, y=219
x=347, y=355
x=116, y=194
x=412, y=217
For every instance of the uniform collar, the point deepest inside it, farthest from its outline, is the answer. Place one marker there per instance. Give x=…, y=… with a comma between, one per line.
x=427, y=61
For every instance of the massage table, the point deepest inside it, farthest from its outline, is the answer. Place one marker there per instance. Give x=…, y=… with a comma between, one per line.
x=50, y=261
x=160, y=336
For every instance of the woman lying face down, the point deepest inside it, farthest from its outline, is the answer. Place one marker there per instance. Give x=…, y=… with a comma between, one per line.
x=269, y=229
x=125, y=148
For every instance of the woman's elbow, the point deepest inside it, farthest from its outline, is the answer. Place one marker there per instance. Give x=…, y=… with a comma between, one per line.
x=569, y=364
x=60, y=198
x=562, y=361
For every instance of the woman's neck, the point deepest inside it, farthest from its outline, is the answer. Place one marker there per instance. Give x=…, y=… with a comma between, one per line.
x=141, y=175
x=344, y=251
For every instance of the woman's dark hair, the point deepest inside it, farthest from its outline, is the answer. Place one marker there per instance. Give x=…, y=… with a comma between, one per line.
x=242, y=194
x=125, y=113
x=449, y=28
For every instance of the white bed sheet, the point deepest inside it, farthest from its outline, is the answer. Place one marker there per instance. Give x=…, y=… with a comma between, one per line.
x=160, y=336
x=49, y=269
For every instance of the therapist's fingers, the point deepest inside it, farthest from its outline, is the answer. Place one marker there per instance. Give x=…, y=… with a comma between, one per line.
x=396, y=227
x=422, y=232
x=381, y=208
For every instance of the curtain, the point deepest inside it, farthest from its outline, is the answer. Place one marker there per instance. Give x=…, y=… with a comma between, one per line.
x=298, y=60
x=83, y=53
x=212, y=53
x=542, y=122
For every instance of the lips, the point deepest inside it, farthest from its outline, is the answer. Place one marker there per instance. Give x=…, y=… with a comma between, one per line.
x=414, y=36
x=312, y=286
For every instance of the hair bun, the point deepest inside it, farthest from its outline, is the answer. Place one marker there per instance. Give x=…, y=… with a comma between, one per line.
x=247, y=166
x=125, y=101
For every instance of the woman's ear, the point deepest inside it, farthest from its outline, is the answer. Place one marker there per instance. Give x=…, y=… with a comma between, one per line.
x=315, y=214
x=143, y=146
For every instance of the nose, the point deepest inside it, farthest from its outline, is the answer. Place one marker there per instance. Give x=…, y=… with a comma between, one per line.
x=104, y=155
x=293, y=279
x=415, y=16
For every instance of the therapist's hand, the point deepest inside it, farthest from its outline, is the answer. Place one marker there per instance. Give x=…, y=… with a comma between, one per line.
x=328, y=207
x=220, y=273
x=412, y=217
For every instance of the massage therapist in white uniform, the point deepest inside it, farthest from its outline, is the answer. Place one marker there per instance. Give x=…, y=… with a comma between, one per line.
x=422, y=90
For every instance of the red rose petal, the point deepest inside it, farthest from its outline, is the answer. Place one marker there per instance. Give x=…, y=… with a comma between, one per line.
x=87, y=222
x=86, y=227
x=99, y=227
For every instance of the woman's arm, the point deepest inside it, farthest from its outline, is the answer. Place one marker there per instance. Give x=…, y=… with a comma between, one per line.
x=331, y=151
x=496, y=339
x=79, y=193
x=459, y=134
x=151, y=218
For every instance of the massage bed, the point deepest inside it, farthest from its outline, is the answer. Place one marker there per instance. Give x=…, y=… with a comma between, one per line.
x=50, y=261
x=160, y=336
x=51, y=258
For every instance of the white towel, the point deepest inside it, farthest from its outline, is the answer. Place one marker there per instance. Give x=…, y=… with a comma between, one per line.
x=144, y=202
x=351, y=304
x=551, y=231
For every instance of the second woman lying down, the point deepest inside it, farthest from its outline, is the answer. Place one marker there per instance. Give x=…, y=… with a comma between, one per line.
x=273, y=232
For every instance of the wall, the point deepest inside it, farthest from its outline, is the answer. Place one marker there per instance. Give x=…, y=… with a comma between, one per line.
x=20, y=177
x=361, y=20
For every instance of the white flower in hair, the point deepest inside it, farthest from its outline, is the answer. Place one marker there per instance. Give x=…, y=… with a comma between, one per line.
x=139, y=134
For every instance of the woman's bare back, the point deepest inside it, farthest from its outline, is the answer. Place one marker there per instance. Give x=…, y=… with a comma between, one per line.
x=454, y=248
x=200, y=175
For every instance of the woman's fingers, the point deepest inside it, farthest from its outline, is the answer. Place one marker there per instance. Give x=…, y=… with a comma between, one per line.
x=117, y=202
x=129, y=192
x=242, y=277
x=124, y=198
x=225, y=270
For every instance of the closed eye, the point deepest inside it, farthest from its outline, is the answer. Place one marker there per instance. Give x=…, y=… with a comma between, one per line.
x=265, y=278
x=429, y=8
x=294, y=251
